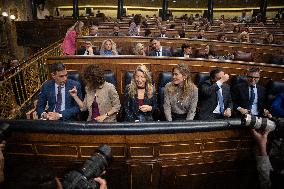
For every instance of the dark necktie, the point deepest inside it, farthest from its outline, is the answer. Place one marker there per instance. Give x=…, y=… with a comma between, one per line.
x=95, y=109
x=59, y=100
x=221, y=101
x=252, y=97
x=158, y=53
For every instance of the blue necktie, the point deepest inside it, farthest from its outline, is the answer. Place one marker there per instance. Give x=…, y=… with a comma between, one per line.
x=59, y=100
x=252, y=97
x=221, y=101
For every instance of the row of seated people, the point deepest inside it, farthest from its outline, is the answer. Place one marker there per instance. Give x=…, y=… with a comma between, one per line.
x=207, y=51
x=178, y=97
x=69, y=45
x=241, y=35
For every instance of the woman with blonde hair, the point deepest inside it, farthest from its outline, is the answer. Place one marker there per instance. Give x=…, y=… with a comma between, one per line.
x=108, y=48
x=69, y=42
x=181, y=95
x=101, y=100
x=140, y=99
x=139, y=49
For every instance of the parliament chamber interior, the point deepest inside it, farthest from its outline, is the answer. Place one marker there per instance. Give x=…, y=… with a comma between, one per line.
x=151, y=94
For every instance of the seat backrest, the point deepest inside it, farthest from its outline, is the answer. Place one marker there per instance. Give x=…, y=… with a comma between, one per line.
x=200, y=78
x=127, y=77
x=274, y=88
x=237, y=79
x=164, y=78
x=74, y=75
x=243, y=56
x=110, y=77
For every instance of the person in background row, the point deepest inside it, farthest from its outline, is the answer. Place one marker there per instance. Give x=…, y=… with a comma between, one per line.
x=88, y=49
x=186, y=51
x=157, y=49
x=221, y=37
x=200, y=34
x=42, y=12
x=250, y=97
x=94, y=31
x=101, y=100
x=181, y=95
x=116, y=31
x=215, y=100
x=134, y=27
x=244, y=37
x=69, y=42
x=236, y=29
x=108, y=48
x=140, y=99
x=139, y=49
x=55, y=92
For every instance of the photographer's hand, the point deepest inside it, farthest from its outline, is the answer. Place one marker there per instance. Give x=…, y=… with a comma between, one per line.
x=261, y=139
x=103, y=183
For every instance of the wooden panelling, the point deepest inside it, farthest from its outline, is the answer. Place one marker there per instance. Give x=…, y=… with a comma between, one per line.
x=145, y=161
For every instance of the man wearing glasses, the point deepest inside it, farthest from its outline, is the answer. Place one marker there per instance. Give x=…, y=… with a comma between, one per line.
x=249, y=97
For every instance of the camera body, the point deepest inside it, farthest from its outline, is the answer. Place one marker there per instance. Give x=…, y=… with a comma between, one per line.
x=92, y=168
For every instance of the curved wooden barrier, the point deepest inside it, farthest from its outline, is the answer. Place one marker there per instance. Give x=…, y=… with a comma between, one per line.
x=154, y=155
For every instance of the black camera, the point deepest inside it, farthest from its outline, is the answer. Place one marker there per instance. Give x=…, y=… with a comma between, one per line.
x=3, y=131
x=92, y=168
x=260, y=123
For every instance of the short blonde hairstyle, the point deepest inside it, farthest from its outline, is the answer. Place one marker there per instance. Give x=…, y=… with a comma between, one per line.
x=113, y=47
x=138, y=48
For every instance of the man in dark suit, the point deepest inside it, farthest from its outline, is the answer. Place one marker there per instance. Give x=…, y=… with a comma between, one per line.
x=55, y=93
x=88, y=49
x=249, y=97
x=163, y=32
x=157, y=49
x=215, y=100
x=116, y=31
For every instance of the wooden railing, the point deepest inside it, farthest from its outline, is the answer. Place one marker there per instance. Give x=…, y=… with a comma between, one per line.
x=23, y=83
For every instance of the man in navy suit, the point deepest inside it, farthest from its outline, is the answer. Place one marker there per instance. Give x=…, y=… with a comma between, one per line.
x=157, y=49
x=55, y=93
x=249, y=97
x=215, y=100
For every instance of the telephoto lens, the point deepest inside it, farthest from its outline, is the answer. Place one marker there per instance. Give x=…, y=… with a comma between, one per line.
x=258, y=123
x=92, y=168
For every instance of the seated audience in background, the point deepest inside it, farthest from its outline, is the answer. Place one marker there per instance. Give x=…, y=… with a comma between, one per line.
x=181, y=95
x=236, y=29
x=108, y=48
x=147, y=33
x=222, y=27
x=244, y=17
x=200, y=34
x=244, y=37
x=14, y=65
x=249, y=97
x=140, y=99
x=134, y=27
x=88, y=49
x=181, y=34
x=249, y=29
x=221, y=37
x=42, y=12
x=215, y=100
x=157, y=49
x=205, y=52
x=55, y=93
x=139, y=49
x=163, y=32
x=69, y=42
x=186, y=51
x=101, y=100
x=94, y=31
x=208, y=27
x=269, y=39
x=116, y=31
x=277, y=107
